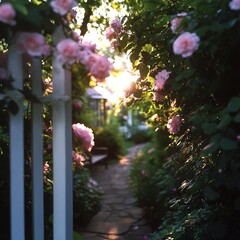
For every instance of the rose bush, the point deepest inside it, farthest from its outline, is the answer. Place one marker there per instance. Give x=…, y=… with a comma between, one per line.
x=202, y=152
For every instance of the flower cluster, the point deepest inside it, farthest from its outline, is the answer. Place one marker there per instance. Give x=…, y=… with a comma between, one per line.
x=173, y=124
x=160, y=80
x=45, y=167
x=84, y=135
x=113, y=32
x=186, y=43
x=77, y=158
x=70, y=51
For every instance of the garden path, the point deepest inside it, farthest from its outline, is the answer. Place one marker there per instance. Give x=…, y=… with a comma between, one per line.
x=119, y=218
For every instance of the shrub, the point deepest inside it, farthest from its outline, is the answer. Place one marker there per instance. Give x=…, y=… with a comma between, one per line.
x=109, y=136
x=140, y=135
x=153, y=186
x=197, y=100
x=86, y=197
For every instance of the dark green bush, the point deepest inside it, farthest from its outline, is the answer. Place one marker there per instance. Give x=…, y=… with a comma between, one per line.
x=109, y=136
x=153, y=186
x=140, y=136
x=86, y=197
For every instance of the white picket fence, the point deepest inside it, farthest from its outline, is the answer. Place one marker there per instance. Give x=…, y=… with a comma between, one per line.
x=62, y=152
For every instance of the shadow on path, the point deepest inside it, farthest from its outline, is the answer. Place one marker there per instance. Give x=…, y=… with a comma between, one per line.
x=119, y=217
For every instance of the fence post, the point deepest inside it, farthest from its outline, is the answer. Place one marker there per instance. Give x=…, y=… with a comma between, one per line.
x=62, y=153
x=37, y=153
x=16, y=151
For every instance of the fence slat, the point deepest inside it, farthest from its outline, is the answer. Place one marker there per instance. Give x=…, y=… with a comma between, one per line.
x=16, y=152
x=62, y=154
x=37, y=154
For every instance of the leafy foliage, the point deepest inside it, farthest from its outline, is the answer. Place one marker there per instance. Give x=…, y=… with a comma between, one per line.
x=110, y=136
x=203, y=157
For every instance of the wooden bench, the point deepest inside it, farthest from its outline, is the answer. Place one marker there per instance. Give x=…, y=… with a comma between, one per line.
x=99, y=154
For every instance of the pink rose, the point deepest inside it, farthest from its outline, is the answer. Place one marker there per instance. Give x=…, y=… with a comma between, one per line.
x=116, y=25
x=173, y=124
x=84, y=135
x=31, y=43
x=68, y=51
x=160, y=79
x=63, y=6
x=45, y=167
x=76, y=37
x=77, y=158
x=186, y=44
x=175, y=24
x=100, y=67
x=88, y=46
x=235, y=4
x=84, y=55
x=110, y=33
x=7, y=14
x=115, y=43
x=87, y=51
x=158, y=97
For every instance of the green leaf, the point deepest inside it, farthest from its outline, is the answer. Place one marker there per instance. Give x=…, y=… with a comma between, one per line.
x=228, y=144
x=237, y=118
x=234, y=104
x=21, y=8
x=37, y=2
x=77, y=236
x=225, y=120
x=210, y=148
x=209, y=128
x=150, y=5
x=143, y=69
x=210, y=194
x=50, y=219
x=185, y=74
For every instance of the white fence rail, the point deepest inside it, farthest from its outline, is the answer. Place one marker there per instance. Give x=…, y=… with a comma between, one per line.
x=62, y=153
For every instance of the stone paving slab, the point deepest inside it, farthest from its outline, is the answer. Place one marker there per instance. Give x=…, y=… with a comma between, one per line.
x=119, y=218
